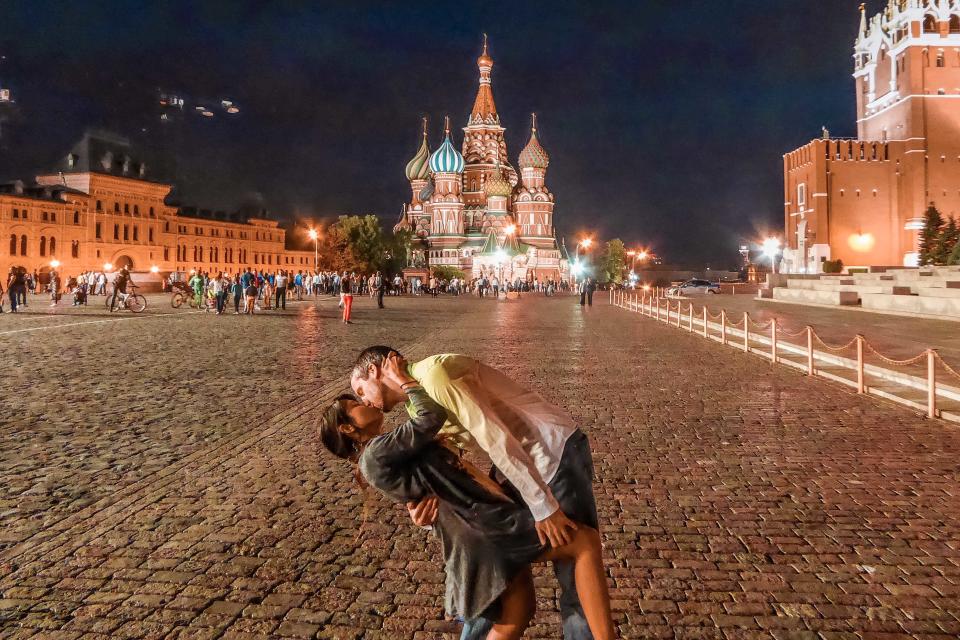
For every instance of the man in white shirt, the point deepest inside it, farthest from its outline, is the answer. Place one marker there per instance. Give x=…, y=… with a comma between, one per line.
x=535, y=447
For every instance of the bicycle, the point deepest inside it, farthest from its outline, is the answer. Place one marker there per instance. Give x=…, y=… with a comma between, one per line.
x=132, y=301
x=179, y=297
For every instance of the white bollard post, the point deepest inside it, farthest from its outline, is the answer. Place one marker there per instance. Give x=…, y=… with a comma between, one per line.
x=773, y=341
x=706, y=333
x=746, y=332
x=931, y=383
x=723, y=326
x=809, y=350
x=861, y=387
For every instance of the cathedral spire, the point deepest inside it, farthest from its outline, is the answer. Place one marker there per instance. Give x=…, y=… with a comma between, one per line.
x=863, y=19
x=484, y=109
x=417, y=168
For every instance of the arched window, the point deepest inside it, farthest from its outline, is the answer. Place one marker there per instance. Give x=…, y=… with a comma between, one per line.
x=929, y=24
x=23, y=245
x=954, y=24
x=13, y=244
x=75, y=249
x=53, y=246
x=43, y=246
x=76, y=217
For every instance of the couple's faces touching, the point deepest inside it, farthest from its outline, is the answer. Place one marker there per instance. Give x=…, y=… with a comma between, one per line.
x=371, y=390
x=365, y=421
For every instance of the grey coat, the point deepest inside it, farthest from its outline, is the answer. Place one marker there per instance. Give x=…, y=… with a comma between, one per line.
x=486, y=541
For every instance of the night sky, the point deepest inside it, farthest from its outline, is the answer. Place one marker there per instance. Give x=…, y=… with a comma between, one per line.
x=666, y=121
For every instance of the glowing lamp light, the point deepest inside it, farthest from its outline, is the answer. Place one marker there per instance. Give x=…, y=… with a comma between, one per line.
x=313, y=234
x=861, y=242
x=771, y=247
x=642, y=255
x=107, y=266
x=54, y=264
x=154, y=269
x=631, y=253
x=512, y=229
x=646, y=287
x=586, y=242
x=577, y=268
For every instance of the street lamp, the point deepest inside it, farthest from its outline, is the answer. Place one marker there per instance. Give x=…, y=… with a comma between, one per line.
x=107, y=266
x=54, y=264
x=154, y=269
x=771, y=247
x=316, y=247
x=586, y=244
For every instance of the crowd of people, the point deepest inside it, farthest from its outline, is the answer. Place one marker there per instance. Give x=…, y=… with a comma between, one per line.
x=254, y=290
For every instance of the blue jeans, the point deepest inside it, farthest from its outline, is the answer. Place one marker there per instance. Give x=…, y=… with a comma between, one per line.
x=572, y=486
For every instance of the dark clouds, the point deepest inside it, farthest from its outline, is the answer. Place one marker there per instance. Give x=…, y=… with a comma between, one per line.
x=665, y=120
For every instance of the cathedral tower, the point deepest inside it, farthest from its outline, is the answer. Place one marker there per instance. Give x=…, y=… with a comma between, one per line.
x=483, y=143
x=446, y=202
x=533, y=203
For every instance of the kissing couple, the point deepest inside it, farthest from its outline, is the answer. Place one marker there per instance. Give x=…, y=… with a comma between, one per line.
x=536, y=505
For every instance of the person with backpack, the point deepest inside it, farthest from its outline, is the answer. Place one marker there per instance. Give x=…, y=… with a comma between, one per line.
x=378, y=287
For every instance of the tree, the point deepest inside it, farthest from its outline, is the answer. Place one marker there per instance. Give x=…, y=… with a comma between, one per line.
x=947, y=241
x=446, y=272
x=930, y=235
x=613, y=261
x=355, y=243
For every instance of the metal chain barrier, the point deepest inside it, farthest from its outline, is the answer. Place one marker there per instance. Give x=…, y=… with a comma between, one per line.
x=760, y=326
x=831, y=348
x=891, y=361
x=947, y=367
x=790, y=334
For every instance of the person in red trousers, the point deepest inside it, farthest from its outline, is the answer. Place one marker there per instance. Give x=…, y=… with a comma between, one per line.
x=346, y=292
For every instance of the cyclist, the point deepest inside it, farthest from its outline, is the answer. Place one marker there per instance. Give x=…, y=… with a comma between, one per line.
x=120, y=287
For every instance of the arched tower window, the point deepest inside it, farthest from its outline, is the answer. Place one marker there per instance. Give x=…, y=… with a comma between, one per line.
x=75, y=249
x=43, y=246
x=53, y=246
x=929, y=24
x=23, y=245
x=13, y=244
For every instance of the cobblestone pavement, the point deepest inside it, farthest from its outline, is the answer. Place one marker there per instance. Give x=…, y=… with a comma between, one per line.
x=159, y=481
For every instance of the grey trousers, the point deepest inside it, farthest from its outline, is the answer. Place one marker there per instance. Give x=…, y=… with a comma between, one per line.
x=572, y=486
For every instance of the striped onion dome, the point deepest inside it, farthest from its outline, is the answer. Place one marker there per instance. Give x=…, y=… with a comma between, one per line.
x=497, y=184
x=534, y=155
x=446, y=159
x=418, y=167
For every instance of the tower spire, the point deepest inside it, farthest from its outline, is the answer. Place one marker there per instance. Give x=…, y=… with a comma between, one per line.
x=533, y=123
x=424, y=127
x=484, y=109
x=863, y=19
x=446, y=126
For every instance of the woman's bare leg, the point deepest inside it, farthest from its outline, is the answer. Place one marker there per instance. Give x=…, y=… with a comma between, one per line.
x=591, y=579
x=517, y=606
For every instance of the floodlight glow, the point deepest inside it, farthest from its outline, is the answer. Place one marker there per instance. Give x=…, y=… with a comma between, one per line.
x=771, y=247
x=512, y=229
x=642, y=255
x=577, y=268
x=54, y=264
x=154, y=269
x=107, y=266
x=313, y=234
x=500, y=255
x=586, y=242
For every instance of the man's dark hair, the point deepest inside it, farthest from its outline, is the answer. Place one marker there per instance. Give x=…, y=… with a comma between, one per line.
x=372, y=355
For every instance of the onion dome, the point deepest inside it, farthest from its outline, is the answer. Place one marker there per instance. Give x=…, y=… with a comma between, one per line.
x=446, y=159
x=533, y=155
x=497, y=184
x=418, y=167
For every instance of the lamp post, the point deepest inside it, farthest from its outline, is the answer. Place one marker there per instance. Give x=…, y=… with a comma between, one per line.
x=771, y=247
x=578, y=268
x=316, y=247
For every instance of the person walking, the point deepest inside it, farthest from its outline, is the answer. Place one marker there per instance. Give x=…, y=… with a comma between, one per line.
x=15, y=280
x=346, y=295
x=54, y=288
x=250, y=293
x=281, y=295
x=591, y=287
x=237, y=290
x=583, y=293
x=378, y=287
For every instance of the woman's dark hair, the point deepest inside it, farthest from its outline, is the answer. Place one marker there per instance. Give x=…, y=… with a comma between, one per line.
x=328, y=428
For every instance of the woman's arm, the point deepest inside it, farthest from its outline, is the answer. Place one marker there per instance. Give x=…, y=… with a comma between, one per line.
x=427, y=417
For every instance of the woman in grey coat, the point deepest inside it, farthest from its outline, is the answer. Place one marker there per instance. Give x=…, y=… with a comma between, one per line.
x=488, y=536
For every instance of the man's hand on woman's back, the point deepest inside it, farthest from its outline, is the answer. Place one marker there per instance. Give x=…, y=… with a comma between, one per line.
x=424, y=513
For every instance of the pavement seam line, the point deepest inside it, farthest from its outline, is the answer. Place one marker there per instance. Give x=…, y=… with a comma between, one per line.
x=144, y=487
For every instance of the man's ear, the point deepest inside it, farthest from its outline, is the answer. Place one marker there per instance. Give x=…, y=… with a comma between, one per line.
x=347, y=429
x=373, y=371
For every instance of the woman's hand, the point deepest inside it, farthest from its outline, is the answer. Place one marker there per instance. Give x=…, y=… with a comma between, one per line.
x=395, y=370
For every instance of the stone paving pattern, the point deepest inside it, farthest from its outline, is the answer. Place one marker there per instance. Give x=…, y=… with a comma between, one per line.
x=160, y=480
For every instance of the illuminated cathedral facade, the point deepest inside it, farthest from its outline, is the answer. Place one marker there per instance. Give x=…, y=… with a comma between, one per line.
x=472, y=210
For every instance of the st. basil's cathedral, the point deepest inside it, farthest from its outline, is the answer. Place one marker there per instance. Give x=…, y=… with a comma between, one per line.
x=471, y=210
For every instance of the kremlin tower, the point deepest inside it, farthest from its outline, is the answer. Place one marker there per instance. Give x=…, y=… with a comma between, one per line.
x=471, y=210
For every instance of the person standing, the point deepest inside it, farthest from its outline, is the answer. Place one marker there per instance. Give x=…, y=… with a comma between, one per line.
x=346, y=295
x=591, y=287
x=583, y=293
x=237, y=290
x=378, y=286
x=54, y=288
x=281, y=294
